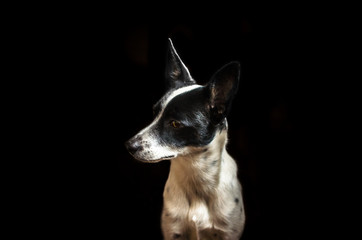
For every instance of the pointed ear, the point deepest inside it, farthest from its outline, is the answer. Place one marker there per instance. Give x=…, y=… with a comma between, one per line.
x=177, y=74
x=222, y=89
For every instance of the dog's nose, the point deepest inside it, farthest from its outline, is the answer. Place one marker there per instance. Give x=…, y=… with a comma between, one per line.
x=133, y=145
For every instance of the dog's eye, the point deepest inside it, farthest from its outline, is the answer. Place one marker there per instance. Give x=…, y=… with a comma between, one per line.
x=175, y=124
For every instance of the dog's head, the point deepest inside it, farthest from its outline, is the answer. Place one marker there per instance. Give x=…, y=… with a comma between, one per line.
x=188, y=115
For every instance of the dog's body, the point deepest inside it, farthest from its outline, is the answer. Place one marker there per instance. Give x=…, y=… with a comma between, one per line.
x=202, y=196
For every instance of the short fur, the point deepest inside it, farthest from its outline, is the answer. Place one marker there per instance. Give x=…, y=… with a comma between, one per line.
x=202, y=196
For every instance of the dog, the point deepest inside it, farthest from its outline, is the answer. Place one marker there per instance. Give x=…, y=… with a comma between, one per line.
x=202, y=197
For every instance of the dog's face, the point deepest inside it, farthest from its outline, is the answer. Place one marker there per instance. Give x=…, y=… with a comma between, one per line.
x=188, y=115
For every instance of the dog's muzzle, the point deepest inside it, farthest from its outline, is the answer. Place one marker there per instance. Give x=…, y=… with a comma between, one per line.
x=142, y=150
x=134, y=145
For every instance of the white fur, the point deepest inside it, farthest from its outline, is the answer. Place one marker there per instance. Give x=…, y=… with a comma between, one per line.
x=199, y=197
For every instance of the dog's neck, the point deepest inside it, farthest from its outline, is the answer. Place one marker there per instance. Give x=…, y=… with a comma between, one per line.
x=198, y=172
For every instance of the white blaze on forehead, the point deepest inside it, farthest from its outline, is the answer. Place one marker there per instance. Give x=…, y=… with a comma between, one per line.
x=178, y=92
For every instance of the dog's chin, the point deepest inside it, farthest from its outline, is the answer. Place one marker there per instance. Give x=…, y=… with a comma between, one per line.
x=154, y=160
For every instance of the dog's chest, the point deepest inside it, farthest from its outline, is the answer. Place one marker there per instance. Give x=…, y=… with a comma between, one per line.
x=192, y=205
x=191, y=211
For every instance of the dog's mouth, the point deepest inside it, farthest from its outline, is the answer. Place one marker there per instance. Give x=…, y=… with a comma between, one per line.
x=141, y=159
x=155, y=160
x=168, y=157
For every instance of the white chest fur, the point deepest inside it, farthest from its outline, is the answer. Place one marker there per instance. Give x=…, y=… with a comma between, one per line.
x=203, y=192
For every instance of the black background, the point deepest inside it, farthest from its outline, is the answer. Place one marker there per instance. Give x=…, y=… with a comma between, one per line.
x=105, y=71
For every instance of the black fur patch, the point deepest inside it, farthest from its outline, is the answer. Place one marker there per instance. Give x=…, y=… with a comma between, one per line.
x=192, y=111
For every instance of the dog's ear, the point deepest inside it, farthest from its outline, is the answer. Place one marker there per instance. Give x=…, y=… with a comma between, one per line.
x=177, y=74
x=222, y=88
